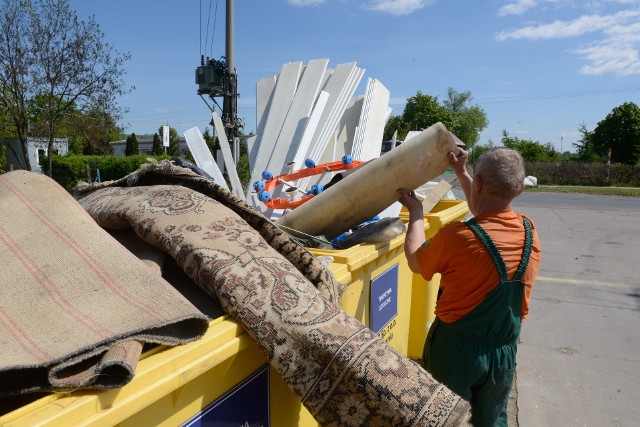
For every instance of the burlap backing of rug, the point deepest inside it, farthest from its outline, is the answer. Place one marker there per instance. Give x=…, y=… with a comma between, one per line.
x=75, y=305
x=342, y=372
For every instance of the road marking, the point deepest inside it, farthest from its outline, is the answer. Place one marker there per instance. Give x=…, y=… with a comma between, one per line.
x=584, y=282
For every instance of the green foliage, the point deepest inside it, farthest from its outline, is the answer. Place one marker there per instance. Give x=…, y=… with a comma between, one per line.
x=70, y=170
x=157, y=149
x=244, y=173
x=584, y=146
x=581, y=173
x=619, y=133
x=212, y=143
x=422, y=111
x=469, y=121
x=132, y=149
x=531, y=151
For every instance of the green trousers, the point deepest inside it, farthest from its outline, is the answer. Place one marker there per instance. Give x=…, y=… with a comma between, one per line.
x=475, y=356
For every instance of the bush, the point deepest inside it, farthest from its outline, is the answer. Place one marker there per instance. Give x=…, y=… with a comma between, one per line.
x=589, y=174
x=70, y=170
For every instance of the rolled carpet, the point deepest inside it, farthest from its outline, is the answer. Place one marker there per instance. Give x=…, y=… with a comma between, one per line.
x=341, y=371
x=75, y=305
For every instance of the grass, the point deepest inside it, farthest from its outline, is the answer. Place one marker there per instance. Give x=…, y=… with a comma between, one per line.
x=605, y=191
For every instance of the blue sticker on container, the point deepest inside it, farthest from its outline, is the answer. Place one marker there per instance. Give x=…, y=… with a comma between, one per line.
x=246, y=405
x=384, y=299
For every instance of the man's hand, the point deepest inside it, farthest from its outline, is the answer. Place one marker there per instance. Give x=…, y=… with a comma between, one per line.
x=409, y=200
x=459, y=161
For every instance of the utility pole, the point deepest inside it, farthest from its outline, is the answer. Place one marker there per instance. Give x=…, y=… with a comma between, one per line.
x=217, y=78
x=230, y=102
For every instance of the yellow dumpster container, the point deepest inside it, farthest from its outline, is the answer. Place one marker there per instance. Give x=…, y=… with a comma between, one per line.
x=213, y=378
x=378, y=282
x=205, y=381
x=424, y=294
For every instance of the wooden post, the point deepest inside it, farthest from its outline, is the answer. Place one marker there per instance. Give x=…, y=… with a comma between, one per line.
x=87, y=172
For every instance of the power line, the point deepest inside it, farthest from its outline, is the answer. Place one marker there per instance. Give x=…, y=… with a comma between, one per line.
x=555, y=95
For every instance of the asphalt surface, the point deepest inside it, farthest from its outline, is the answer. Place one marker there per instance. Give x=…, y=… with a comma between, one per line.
x=579, y=356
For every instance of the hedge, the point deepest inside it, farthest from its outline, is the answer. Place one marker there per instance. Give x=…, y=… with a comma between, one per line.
x=69, y=170
x=590, y=174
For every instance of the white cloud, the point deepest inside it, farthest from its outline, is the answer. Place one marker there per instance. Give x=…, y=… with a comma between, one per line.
x=517, y=8
x=617, y=53
x=398, y=7
x=563, y=29
x=303, y=3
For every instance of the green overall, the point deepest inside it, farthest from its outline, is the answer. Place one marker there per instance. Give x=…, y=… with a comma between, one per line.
x=475, y=356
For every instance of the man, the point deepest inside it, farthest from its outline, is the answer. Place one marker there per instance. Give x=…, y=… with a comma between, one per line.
x=488, y=267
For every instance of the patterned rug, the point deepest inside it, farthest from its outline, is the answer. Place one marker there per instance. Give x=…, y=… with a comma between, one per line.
x=75, y=305
x=286, y=299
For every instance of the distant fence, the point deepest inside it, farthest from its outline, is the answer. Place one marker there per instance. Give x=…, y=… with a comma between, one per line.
x=592, y=174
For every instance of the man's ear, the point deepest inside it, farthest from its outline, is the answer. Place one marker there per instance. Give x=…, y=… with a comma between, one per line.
x=477, y=179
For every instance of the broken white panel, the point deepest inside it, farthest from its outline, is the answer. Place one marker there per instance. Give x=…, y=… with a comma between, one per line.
x=301, y=106
x=332, y=121
x=202, y=156
x=341, y=107
x=284, y=91
x=310, y=129
x=334, y=86
x=264, y=94
x=348, y=125
x=232, y=172
x=345, y=88
x=220, y=161
x=373, y=132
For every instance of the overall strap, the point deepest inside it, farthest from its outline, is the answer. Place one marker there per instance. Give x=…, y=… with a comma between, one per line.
x=495, y=253
x=526, y=251
x=491, y=248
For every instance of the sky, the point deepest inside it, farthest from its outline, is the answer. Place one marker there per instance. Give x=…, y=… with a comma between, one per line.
x=538, y=68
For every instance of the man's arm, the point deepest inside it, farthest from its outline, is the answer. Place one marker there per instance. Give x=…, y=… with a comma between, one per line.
x=459, y=166
x=415, y=228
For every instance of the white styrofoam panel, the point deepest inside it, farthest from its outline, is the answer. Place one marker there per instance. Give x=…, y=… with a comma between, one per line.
x=348, y=125
x=321, y=140
x=284, y=91
x=264, y=94
x=232, y=172
x=202, y=156
x=299, y=111
x=334, y=86
x=310, y=129
x=346, y=96
x=378, y=113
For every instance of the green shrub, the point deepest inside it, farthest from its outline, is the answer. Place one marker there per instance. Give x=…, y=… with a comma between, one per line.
x=70, y=170
x=589, y=174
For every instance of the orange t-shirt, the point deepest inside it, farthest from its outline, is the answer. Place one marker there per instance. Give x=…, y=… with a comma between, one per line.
x=468, y=273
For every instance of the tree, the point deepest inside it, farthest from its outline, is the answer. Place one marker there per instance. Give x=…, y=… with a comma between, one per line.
x=584, y=146
x=15, y=66
x=469, y=121
x=531, y=151
x=131, y=148
x=619, y=134
x=422, y=111
x=157, y=149
x=47, y=53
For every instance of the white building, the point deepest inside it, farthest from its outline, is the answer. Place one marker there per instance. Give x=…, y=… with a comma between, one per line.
x=37, y=148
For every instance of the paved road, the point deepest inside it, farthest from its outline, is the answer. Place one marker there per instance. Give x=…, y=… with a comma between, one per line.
x=579, y=357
